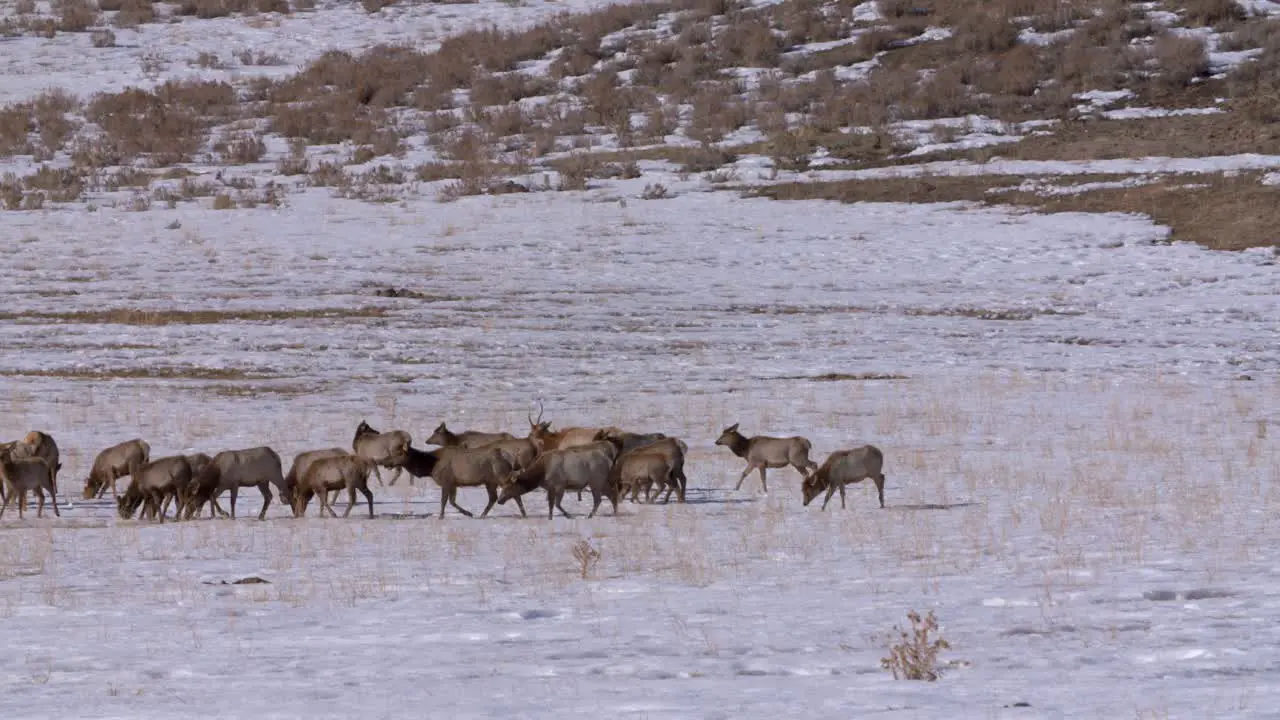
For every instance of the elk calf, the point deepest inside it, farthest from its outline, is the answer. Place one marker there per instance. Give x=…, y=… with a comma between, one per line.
x=333, y=473
x=114, y=463
x=386, y=449
x=23, y=474
x=659, y=463
x=845, y=467
x=301, y=462
x=762, y=452
x=41, y=445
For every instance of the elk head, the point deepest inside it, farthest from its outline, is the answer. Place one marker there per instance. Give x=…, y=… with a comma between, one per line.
x=729, y=435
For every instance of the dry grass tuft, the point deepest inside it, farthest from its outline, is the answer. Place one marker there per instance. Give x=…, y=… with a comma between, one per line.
x=915, y=655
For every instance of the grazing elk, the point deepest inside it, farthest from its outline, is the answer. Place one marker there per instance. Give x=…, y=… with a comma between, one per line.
x=386, y=449
x=582, y=466
x=231, y=470
x=762, y=452
x=114, y=463
x=659, y=463
x=301, y=462
x=542, y=436
x=468, y=439
x=326, y=474
x=845, y=467
x=41, y=445
x=27, y=474
x=457, y=467
x=154, y=485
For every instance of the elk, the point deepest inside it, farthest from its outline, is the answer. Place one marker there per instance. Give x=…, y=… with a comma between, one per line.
x=154, y=485
x=386, y=449
x=114, y=463
x=762, y=452
x=473, y=467
x=658, y=463
x=42, y=445
x=301, y=462
x=542, y=436
x=233, y=469
x=325, y=474
x=467, y=439
x=521, y=451
x=27, y=474
x=845, y=467
x=581, y=466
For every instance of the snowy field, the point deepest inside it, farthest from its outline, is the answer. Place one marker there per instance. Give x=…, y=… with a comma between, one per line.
x=1080, y=451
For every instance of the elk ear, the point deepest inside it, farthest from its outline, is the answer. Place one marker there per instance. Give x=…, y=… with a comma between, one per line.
x=732, y=428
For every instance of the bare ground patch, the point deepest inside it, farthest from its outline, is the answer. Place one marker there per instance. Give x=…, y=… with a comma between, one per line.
x=1218, y=211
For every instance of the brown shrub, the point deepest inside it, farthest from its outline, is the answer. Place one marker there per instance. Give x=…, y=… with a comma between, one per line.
x=1221, y=14
x=61, y=184
x=135, y=12
x=747, y=41
x=986, y=32
x=275, y=6
x=16, y=123
x=135, y=122
x=75, y=15
x=243, y=148
x=1181, y=59
x=50, y=112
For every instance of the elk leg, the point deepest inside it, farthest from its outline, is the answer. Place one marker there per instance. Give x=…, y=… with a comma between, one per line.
x=39, y=503
x=444, y=500
x=520, y=504
x=744, y=475
x=579, y=494
x=453, y=500
x=378, y=474
x=265, y=489
x=493, y=499
x=764, y=486
x=551, y=505
x=396, y=476
x=831, y=490
x=364, y=489
x=842, y=507
x=561, y=507
x=595, y=502
x=8, y=499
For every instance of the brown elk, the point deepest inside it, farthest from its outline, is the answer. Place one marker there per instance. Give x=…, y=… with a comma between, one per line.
x=27, y=474
x=467, y=439
x=301, y=462
x=845, y=467
x=112, y=464
x=541, y=434
x=231, y=470
x=762, y=452
x=39, y=444
x=457, y=467
x=154, y=485
x=326, y=474
x=386, y=449
x=659, y=463
x=582, y=466
x=521, y=451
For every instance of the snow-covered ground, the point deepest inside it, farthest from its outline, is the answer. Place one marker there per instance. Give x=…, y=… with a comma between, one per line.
x=1082, y=491
x=1078, y=420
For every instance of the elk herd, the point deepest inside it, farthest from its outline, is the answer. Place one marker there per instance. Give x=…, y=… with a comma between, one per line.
x=608, y=462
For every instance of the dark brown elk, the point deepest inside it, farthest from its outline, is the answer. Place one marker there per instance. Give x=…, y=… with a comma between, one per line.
x=541, y=434
x=467, y=439
x=659, y=463
x=27, y=474
x=41, y=445
x=487, y=466
x=114, y=463
x=386, y=449
x=231, y=470
x=326, y=474
x=762, y=452
x=154, y=485
x=845, y=467
x=582, y=466
x=301, y=462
